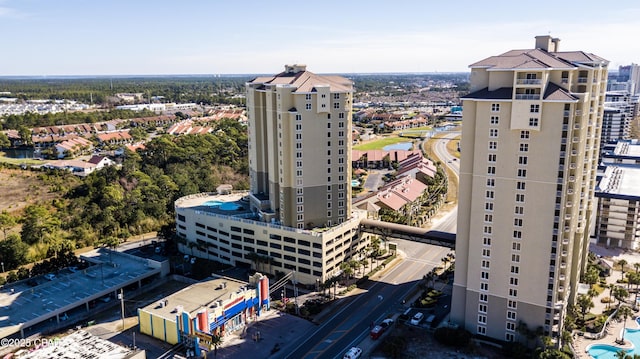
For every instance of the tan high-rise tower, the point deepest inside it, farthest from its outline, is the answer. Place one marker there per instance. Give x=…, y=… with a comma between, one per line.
x=300, y=147
x=530, y=142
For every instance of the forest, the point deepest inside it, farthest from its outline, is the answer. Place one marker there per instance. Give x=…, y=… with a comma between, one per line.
x=115, y=203
x=205, y=90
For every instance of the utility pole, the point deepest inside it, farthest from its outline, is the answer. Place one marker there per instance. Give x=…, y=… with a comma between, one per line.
x=122, y=305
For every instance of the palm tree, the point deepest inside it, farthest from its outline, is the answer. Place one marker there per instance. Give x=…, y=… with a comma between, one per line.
x=585, y=303
x=636, y=266
x=624, y=312
x=621, y=354
x=620, y=294
x=622, y=263
x=216, y=341
x=611, y=286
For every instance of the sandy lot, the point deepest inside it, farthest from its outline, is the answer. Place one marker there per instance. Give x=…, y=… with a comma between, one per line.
x=19, y=188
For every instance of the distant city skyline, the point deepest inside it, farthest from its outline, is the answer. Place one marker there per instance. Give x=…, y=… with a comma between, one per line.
x=73, y=37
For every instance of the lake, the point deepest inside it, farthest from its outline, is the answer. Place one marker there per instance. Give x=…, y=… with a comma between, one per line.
x=18, y=152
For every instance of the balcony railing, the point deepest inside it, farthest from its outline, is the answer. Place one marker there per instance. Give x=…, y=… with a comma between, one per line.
x=522, y=96
x=582, y=80
x=528, y=81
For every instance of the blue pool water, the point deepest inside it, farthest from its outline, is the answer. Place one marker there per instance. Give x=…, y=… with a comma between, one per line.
x=225, y=206
x=398, y=146
x=355, y=183
x=213, y=203
x=604, y=351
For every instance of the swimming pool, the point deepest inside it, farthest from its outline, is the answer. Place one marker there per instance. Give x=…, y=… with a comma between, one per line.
x=605, y=351
x=355, y=183
x=225, y=206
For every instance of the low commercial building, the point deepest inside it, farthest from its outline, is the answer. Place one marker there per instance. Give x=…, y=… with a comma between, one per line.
x=225, y=228
x=618, y=193
x=215, y=307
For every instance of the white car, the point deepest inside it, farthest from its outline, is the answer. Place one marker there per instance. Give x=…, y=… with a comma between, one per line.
x=417, y=318
x=353, y=353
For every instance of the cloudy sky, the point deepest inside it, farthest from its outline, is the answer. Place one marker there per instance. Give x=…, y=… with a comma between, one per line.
x=123, y=37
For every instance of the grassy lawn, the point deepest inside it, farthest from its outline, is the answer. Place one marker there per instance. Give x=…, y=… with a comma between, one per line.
x=378, y=144
x=452, y=146
x=452, y=193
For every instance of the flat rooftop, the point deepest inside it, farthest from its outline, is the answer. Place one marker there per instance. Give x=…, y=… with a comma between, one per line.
x=627, y=148
x=197, y=296
x=22, y=306
x=236, y=204
x=619, y=181
x=81, y=345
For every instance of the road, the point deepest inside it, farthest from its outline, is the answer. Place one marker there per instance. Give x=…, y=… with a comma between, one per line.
x=447, y=223
x=351, y=324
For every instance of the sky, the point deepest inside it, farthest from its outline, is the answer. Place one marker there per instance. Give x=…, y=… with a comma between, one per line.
x=143, y=37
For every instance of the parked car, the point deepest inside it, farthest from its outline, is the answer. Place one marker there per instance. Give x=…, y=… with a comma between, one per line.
x=386, y=323
x=353, y=353
x=417, y=318
x=376, y=332
x=50, y=276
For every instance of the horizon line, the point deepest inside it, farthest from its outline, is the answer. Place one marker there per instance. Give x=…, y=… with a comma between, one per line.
x=227, y=74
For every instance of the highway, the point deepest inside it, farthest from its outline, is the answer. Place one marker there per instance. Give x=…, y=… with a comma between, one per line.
x=351, y=324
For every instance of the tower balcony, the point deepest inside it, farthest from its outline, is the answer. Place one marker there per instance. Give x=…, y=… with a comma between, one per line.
x=528, y=81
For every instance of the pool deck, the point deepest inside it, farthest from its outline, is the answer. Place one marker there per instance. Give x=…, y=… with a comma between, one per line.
x=614, y=328
x=581, y=344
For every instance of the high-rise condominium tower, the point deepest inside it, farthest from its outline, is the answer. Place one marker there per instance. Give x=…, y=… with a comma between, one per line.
x=530, y=142
x=300, y=147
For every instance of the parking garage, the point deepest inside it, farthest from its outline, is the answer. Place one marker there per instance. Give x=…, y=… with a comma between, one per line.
x=25, y=306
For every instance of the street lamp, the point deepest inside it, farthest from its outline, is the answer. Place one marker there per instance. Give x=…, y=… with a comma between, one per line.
x=2, y=267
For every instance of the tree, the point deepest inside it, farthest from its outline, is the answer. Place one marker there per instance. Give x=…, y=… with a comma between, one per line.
x=25, y=135
x=4, y=140
x=138, y=134
x=37, y=222
x=347, y=270
x=585, y=303
x=13, y=252
x=216, y=342
x=621, y=354
x=354, y=264
x=624, y=312
x=7, y=221
x=592, y=276
x=611, y=287
x=553, y=354
x=622, y=263
x=634, y=279
x=620, y=294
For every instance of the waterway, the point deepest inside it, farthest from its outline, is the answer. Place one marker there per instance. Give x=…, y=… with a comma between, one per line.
x=18, y=152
